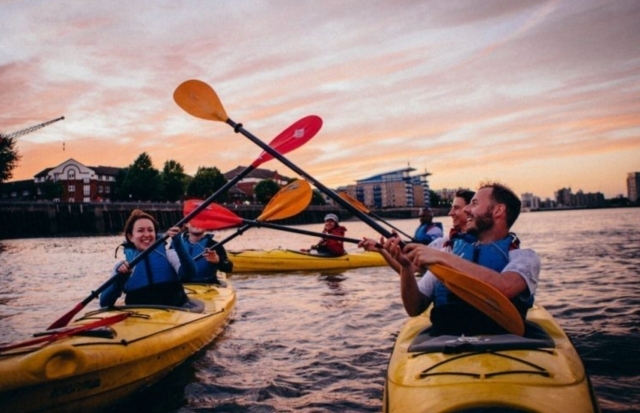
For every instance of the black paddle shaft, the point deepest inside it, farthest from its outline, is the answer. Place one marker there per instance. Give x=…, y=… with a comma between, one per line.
x=237, y=127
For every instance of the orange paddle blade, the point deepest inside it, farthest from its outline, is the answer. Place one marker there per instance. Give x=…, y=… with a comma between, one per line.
x=482, y=296
x=354, y=202
x=289, y=201
x=200, y=100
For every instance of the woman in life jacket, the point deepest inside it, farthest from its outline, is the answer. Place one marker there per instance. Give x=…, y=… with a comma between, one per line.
x=155, y=280
x=329, y=246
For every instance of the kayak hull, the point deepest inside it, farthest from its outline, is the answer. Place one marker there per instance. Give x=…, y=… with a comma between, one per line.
x=459, y=374
x=85, y=373
x=282, y=260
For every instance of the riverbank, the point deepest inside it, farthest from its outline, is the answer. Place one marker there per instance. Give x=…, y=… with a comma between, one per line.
x=52, y=219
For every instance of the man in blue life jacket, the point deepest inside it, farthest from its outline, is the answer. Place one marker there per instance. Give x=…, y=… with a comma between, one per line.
x=214, y=258
x=494, y=258
x=428, y=231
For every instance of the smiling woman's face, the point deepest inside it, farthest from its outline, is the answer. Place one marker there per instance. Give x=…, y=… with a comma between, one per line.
x=143, y=234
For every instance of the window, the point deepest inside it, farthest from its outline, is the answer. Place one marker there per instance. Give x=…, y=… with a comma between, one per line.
x=71, y=175
x=100, y=189
x=107, y=189
x=87, y=190
x=71, y=188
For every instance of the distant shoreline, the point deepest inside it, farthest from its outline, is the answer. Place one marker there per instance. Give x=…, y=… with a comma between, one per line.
x=50, y=220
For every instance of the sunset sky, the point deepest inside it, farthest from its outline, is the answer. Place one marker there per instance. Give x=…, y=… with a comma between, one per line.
x=537, y=94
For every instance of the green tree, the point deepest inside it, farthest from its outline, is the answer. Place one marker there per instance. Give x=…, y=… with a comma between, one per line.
x=436, y=200
x=173, y=181
x=265, y=190
x=141, y=181
x=206, y=182
x=317, y=198
x=9, y=158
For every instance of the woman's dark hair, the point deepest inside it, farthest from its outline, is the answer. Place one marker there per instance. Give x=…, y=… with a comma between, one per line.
x=466, y=194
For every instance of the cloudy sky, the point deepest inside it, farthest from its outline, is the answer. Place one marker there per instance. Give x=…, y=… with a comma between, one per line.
x=537, y=94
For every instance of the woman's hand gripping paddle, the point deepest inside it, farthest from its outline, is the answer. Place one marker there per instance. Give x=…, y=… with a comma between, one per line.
x=291, y=138
x=200, y=100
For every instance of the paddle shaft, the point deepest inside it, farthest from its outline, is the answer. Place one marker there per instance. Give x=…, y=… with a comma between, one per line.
x=258, y=224
x=301, y=231
x=68, y=332
x=238, y=232
x=237, y=127
x=392, y=226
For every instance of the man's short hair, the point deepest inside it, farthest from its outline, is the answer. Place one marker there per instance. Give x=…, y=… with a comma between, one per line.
x=502, y=194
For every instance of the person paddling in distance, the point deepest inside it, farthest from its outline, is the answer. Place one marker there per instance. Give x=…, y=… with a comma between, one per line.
x=428, y=231
x=154, y=280
x=327, y=246
x=494, y=258
x=214, y=258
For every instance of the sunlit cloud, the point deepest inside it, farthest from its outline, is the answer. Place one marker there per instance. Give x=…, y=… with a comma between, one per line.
x=541, y=95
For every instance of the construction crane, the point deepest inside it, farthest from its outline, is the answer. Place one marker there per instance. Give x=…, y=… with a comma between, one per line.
x=30, y=129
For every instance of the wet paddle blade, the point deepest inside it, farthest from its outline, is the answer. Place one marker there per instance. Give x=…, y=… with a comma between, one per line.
x=292, y=138
x=354, y=202
x=289, y=201
x=213, y=217
x=200, y=100
x=482, y=296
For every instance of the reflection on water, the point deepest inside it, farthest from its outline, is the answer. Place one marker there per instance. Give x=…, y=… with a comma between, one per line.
x=321, y=341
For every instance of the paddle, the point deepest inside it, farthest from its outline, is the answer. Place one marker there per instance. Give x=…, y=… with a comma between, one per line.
x=200, y=100
x=362, y=207
x=261, y=224
x=291, y=138
x=482, y=296
x=289, y=201
x=57, y=335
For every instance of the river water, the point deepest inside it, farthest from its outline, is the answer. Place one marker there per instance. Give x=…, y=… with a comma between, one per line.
x=316, y=342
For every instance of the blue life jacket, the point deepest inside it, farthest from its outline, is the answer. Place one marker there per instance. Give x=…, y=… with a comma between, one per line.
x=455, y=236
x=494, y=256
x=155, y=268
x=421, y=235
x=153, y=280
x=205, y=271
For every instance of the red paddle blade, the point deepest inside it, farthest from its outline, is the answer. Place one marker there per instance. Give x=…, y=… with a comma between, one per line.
x=291, y=138
x=213, y=217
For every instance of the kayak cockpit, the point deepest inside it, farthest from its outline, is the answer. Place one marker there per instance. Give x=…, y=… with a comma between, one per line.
x=534, y=338
x=192, y=306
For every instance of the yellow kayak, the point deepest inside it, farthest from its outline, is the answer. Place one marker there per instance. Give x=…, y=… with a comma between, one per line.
x=97, y=367
x=280, y=260
x=540, y=372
